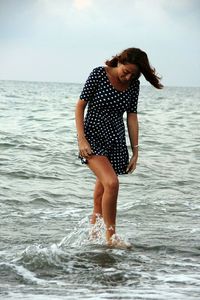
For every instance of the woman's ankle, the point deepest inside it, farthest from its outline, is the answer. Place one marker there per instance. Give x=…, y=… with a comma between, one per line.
x=110, y=231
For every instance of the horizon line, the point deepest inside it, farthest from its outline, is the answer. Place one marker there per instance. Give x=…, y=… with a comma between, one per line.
x=81, y=83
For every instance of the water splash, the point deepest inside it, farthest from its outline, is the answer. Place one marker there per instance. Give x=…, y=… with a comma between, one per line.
x=85, y=234
x=92, y=234
x=39, y=255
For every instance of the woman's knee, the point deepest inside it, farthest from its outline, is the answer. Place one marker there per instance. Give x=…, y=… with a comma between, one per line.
x=104, y=171
x=111, y=183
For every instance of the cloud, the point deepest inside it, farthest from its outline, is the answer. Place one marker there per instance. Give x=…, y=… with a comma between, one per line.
x=82, y=4
x=62, y=8
x=81, y=34
x=51, y=8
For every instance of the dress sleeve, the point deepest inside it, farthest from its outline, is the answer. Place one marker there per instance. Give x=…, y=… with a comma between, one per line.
x=134, y=97
x=90, y=85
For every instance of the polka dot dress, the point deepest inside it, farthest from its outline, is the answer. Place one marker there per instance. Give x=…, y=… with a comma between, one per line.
x=104, y=125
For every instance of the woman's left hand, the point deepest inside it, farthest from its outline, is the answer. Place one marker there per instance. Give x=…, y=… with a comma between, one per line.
x=132, y=164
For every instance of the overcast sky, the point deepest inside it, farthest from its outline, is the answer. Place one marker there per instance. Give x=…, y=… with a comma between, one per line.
x=62, y=40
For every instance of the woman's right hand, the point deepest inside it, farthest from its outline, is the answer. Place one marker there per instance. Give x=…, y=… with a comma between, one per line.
x=84, y=147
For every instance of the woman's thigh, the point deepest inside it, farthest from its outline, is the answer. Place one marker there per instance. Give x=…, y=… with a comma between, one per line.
x=102, y=168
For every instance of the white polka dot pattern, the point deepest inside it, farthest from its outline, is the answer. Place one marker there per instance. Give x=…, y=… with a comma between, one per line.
x=104, y=125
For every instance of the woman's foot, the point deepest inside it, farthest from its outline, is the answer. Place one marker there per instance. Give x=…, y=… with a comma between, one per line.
x=116, y=242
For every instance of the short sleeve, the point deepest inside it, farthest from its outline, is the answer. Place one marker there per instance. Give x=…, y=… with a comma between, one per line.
x=90, y=86
x=134, y=97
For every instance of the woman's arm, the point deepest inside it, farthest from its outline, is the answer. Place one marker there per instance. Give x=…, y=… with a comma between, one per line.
x=133, y=131
x=84, y=146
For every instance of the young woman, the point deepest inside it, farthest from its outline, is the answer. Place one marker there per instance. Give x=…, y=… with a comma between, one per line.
x=109, y=92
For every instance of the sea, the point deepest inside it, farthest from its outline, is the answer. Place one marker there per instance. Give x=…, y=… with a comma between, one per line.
x=46, y=200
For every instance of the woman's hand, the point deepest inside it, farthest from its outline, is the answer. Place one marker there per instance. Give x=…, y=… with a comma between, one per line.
x=84, y=147
x=132, y=164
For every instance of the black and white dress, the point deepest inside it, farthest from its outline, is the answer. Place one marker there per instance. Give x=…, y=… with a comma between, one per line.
x=103, y=124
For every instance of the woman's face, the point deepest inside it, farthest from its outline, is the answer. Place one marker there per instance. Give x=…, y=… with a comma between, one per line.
x=127, y=72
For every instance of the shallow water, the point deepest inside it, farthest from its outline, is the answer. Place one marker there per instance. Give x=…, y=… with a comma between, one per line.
x=46, y=200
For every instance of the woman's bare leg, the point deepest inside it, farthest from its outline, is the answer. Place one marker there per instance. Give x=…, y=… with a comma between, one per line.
x=98, y=194
x=105, y=173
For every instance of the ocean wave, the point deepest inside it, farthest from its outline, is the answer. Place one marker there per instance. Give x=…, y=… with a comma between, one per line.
x=194, y=251
x=18, y=273
x=7, y=145
x=13, y=96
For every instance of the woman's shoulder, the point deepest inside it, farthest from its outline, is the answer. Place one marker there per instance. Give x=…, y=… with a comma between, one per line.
x=97, y=73
x=98, y=69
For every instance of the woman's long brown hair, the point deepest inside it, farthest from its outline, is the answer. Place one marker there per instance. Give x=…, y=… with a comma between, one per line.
x=137, y=57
